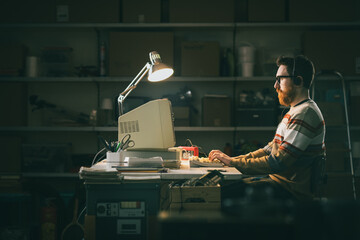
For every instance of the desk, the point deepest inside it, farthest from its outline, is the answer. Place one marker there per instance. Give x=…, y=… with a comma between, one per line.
x=127, y=207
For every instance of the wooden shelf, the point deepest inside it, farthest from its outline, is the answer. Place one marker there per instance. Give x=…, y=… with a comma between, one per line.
x=184, y=25
x=173, y=79
x=50, y=175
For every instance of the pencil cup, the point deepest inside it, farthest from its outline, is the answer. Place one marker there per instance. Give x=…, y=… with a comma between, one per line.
x=113, y=157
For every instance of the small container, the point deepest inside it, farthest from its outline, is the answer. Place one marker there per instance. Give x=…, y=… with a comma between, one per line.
x=246, y=69
x=113, y=157
x=32, y=66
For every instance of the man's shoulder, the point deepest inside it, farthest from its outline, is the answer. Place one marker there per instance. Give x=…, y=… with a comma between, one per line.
x=308, y=112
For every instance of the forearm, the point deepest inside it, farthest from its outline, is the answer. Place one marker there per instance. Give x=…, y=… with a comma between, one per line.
x=252, y=166
x=255, y=154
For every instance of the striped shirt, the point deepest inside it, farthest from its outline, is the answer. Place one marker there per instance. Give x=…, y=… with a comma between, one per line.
x=288, y=158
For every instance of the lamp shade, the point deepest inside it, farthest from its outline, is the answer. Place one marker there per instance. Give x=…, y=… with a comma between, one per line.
x=158, y=70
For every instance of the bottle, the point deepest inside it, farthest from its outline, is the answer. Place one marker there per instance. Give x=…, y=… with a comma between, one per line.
x=49, y=220
x=102, y=59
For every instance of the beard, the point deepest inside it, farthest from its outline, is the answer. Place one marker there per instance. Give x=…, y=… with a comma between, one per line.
x=286, y=97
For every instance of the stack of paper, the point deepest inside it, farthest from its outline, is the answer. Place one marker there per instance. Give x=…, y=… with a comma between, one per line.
x=98, y=173
x=139, y=162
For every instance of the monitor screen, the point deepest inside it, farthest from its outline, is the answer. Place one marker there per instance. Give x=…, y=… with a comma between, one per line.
x=150, y=125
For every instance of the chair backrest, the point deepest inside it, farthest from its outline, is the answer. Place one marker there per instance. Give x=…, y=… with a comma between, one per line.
x=318, y=175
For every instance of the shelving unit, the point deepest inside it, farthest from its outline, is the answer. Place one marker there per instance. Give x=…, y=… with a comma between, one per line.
x=85, y=94
x=233, y=34
x=186, y=25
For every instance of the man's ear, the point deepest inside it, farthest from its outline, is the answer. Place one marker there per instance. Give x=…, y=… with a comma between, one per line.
x=298, y=80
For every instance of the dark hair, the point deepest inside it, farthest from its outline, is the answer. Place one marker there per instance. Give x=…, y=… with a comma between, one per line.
x=303, y=67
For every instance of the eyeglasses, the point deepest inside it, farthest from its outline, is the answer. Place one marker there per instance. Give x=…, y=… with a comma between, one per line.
x=278, y=78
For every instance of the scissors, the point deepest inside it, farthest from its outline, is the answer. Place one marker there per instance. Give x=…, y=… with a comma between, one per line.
x=125, y=143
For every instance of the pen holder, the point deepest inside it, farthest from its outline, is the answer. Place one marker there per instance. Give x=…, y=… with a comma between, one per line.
x=116, y=159
x=113, y=157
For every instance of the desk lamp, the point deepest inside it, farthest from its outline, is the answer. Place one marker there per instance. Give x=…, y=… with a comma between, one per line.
x=158, y=71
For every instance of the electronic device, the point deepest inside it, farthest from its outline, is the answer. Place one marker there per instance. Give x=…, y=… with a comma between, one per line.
x=127, y=217
x=150, y=125
x=189, y=152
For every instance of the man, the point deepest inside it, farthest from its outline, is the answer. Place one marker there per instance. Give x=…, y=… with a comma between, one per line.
x=288, y=161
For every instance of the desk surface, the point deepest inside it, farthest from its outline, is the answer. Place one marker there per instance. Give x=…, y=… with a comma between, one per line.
x=229, y=173
x=185, y=172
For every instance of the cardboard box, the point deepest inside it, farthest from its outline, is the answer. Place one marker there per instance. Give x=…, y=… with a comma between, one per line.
x=241, y=11
x=266, y=10
x=10, y=155
x=57, y=61
x=256, y=117
x=90, y=227
x=354, y=103
x=195, y=198
x=333, y=113
x=200, y=59
x=201, y=11
x=46, y=157
x=322, y=10
x=333, y=50
x=12, y=59
x=11, y=184
x=216, y=111
x=13, y=104
x=181, y=115
x=88, y=11
x=354, y=111
x=181, y=112
x=141, y=11
x=129, y=51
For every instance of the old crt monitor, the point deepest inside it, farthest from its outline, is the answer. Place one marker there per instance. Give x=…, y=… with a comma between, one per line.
x=150, y=125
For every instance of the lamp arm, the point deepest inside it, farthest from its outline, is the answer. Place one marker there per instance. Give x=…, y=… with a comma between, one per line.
x=131, y=86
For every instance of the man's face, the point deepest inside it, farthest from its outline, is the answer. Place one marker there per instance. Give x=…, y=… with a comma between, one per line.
x=284, y=87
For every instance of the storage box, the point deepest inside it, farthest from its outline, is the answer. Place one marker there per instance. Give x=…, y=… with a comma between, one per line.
x=256, y=117
x=322, y=10
x=10, y=155
x=13, y=104
x=266, y=10
x=354, y=103
x=57, y=61
x=195, y=198
x=333, y=50
x=200, y=59
x=182, y=116
x=141, y=11
x=201, y=11
x=11, y=184
x=216, y=111
x=88, y=11
x=354, y=111
x=129, y=51
x=46, y=157
x=12, y=59
x=333, y=113
x=90, y=227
